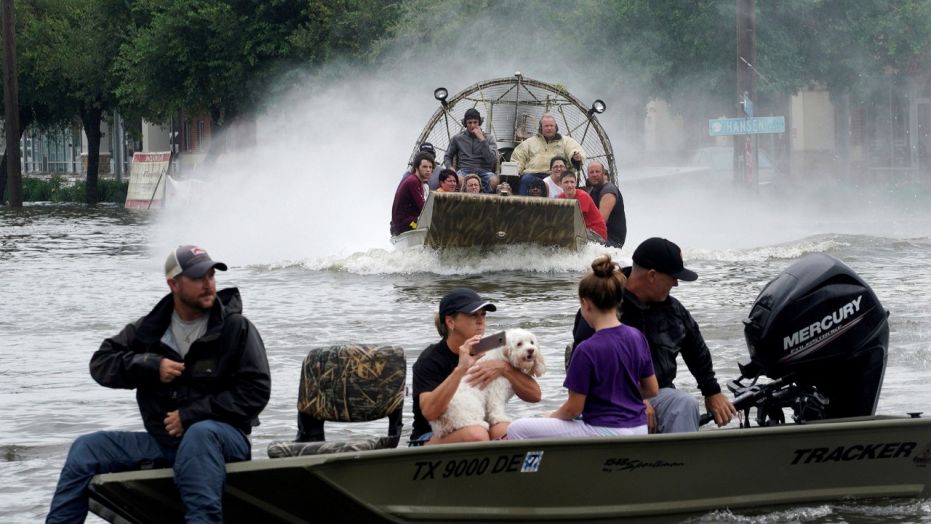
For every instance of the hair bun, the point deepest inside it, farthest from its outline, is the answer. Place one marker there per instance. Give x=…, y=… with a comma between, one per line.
x=604, y=267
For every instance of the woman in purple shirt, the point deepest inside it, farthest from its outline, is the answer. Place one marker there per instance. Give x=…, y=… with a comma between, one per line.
x=609, y=375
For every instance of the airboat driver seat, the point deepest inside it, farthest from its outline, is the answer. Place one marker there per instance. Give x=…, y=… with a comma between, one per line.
x=347, y=383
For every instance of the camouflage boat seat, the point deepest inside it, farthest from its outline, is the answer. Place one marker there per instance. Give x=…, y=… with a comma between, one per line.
x=348, y=383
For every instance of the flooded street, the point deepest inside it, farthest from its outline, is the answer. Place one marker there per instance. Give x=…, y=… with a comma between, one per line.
x=72, y=277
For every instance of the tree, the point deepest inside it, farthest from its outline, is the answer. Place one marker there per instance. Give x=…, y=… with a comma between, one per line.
x=88, y=72
x=40, y=103
x=220, y=56
x=65, y=73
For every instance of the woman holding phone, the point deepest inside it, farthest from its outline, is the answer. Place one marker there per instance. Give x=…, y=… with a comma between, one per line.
x=609, y=375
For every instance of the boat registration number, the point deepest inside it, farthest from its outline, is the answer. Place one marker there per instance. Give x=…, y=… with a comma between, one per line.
x=528, y=462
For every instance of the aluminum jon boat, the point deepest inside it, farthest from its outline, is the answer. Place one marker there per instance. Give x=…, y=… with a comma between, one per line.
x=817, y=332
x=557, y=480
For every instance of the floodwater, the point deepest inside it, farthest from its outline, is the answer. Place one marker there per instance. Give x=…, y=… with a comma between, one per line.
x=71, y=277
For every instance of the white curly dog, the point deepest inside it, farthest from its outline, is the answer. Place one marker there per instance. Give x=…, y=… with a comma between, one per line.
x=471, y=406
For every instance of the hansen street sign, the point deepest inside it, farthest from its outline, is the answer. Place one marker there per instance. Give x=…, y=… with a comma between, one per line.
x=747, y=126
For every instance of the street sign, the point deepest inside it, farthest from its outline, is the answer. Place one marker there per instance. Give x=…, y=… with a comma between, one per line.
x=747, y=126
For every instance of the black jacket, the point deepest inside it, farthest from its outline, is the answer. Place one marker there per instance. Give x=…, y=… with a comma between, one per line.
x=670, y=330
x=225, y=377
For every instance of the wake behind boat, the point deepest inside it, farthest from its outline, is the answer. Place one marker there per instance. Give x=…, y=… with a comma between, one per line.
x=817, y=330
x=513, y=107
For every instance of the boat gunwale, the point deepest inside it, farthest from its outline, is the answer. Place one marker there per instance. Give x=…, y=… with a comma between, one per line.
x=823, y=426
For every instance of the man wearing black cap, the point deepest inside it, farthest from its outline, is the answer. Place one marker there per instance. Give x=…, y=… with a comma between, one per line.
x=670, y=330
x=434, y=181
x=201, y=378
x=472, y=151
x=442, y=366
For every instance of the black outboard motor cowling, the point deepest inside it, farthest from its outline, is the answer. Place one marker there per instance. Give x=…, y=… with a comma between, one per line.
x=818, y=324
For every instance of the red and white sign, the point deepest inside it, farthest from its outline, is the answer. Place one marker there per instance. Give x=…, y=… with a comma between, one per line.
x=147, y=180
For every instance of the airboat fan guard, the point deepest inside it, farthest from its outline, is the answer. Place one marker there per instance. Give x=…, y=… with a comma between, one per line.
x=511, y=108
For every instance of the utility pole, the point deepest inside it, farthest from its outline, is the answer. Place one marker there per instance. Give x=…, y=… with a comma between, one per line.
x=745, y=157
x=11, y=107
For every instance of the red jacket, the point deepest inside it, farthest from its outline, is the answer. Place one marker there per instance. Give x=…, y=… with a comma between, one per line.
x=590, y=213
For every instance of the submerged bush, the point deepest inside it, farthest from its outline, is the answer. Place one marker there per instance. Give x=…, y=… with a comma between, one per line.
x=58, y=189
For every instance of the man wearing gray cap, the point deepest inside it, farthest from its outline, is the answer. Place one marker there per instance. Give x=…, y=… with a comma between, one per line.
x=201, y=378
x=670, y=331
x=442, y=366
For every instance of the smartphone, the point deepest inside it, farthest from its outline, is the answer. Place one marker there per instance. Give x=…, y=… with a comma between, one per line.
x=490, y=342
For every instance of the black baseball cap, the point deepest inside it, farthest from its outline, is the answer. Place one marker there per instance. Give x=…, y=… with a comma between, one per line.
x=463, y=300
x=190, y=261
x=427, y=147
x=663, y=256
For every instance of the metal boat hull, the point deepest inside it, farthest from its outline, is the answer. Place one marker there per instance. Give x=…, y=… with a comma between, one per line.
x=463, y=220
x=558, y=480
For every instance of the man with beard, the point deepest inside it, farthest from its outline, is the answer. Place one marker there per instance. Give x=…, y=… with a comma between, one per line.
x=201, y=378
x=610, y=203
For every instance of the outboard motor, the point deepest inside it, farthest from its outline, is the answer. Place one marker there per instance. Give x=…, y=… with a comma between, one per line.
x=821, y=333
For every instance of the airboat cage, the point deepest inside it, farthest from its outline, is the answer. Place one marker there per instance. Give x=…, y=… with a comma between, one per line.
x=511, y=108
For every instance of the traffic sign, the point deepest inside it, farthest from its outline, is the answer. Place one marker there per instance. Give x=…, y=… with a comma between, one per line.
x=747, y=126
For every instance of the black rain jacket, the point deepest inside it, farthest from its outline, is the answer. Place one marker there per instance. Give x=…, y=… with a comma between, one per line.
x=670, y=330
x=226, y=376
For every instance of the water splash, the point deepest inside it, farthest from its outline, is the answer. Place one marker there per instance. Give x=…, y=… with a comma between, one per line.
x=794, y=515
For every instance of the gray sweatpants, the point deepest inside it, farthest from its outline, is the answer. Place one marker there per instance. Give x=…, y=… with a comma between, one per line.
x=676, y=411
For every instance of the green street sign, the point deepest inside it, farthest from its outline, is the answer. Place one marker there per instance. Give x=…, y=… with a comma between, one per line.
x=747, y=126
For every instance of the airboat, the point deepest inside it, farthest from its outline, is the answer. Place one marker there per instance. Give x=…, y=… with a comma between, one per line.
x=511, y=107
x=835, y=447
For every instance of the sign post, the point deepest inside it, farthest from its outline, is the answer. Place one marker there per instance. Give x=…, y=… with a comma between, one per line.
x=747, y=127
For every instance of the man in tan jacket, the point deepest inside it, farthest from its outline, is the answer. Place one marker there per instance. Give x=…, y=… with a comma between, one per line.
x=534, y=154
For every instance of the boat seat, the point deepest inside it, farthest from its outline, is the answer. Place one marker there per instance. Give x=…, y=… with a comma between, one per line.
x=347, y=383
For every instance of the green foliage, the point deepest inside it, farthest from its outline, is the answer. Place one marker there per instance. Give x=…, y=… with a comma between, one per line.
x=855, y=45
x=153, y=58
x=37, y=190
x=58, y=189
x=41, y=88
x=684, y=51
x=342, y=28
x=219, y=56
x=112, y=191
x=67, y=49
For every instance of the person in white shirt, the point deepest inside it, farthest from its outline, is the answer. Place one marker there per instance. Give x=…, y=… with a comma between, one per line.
x=557, y=169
